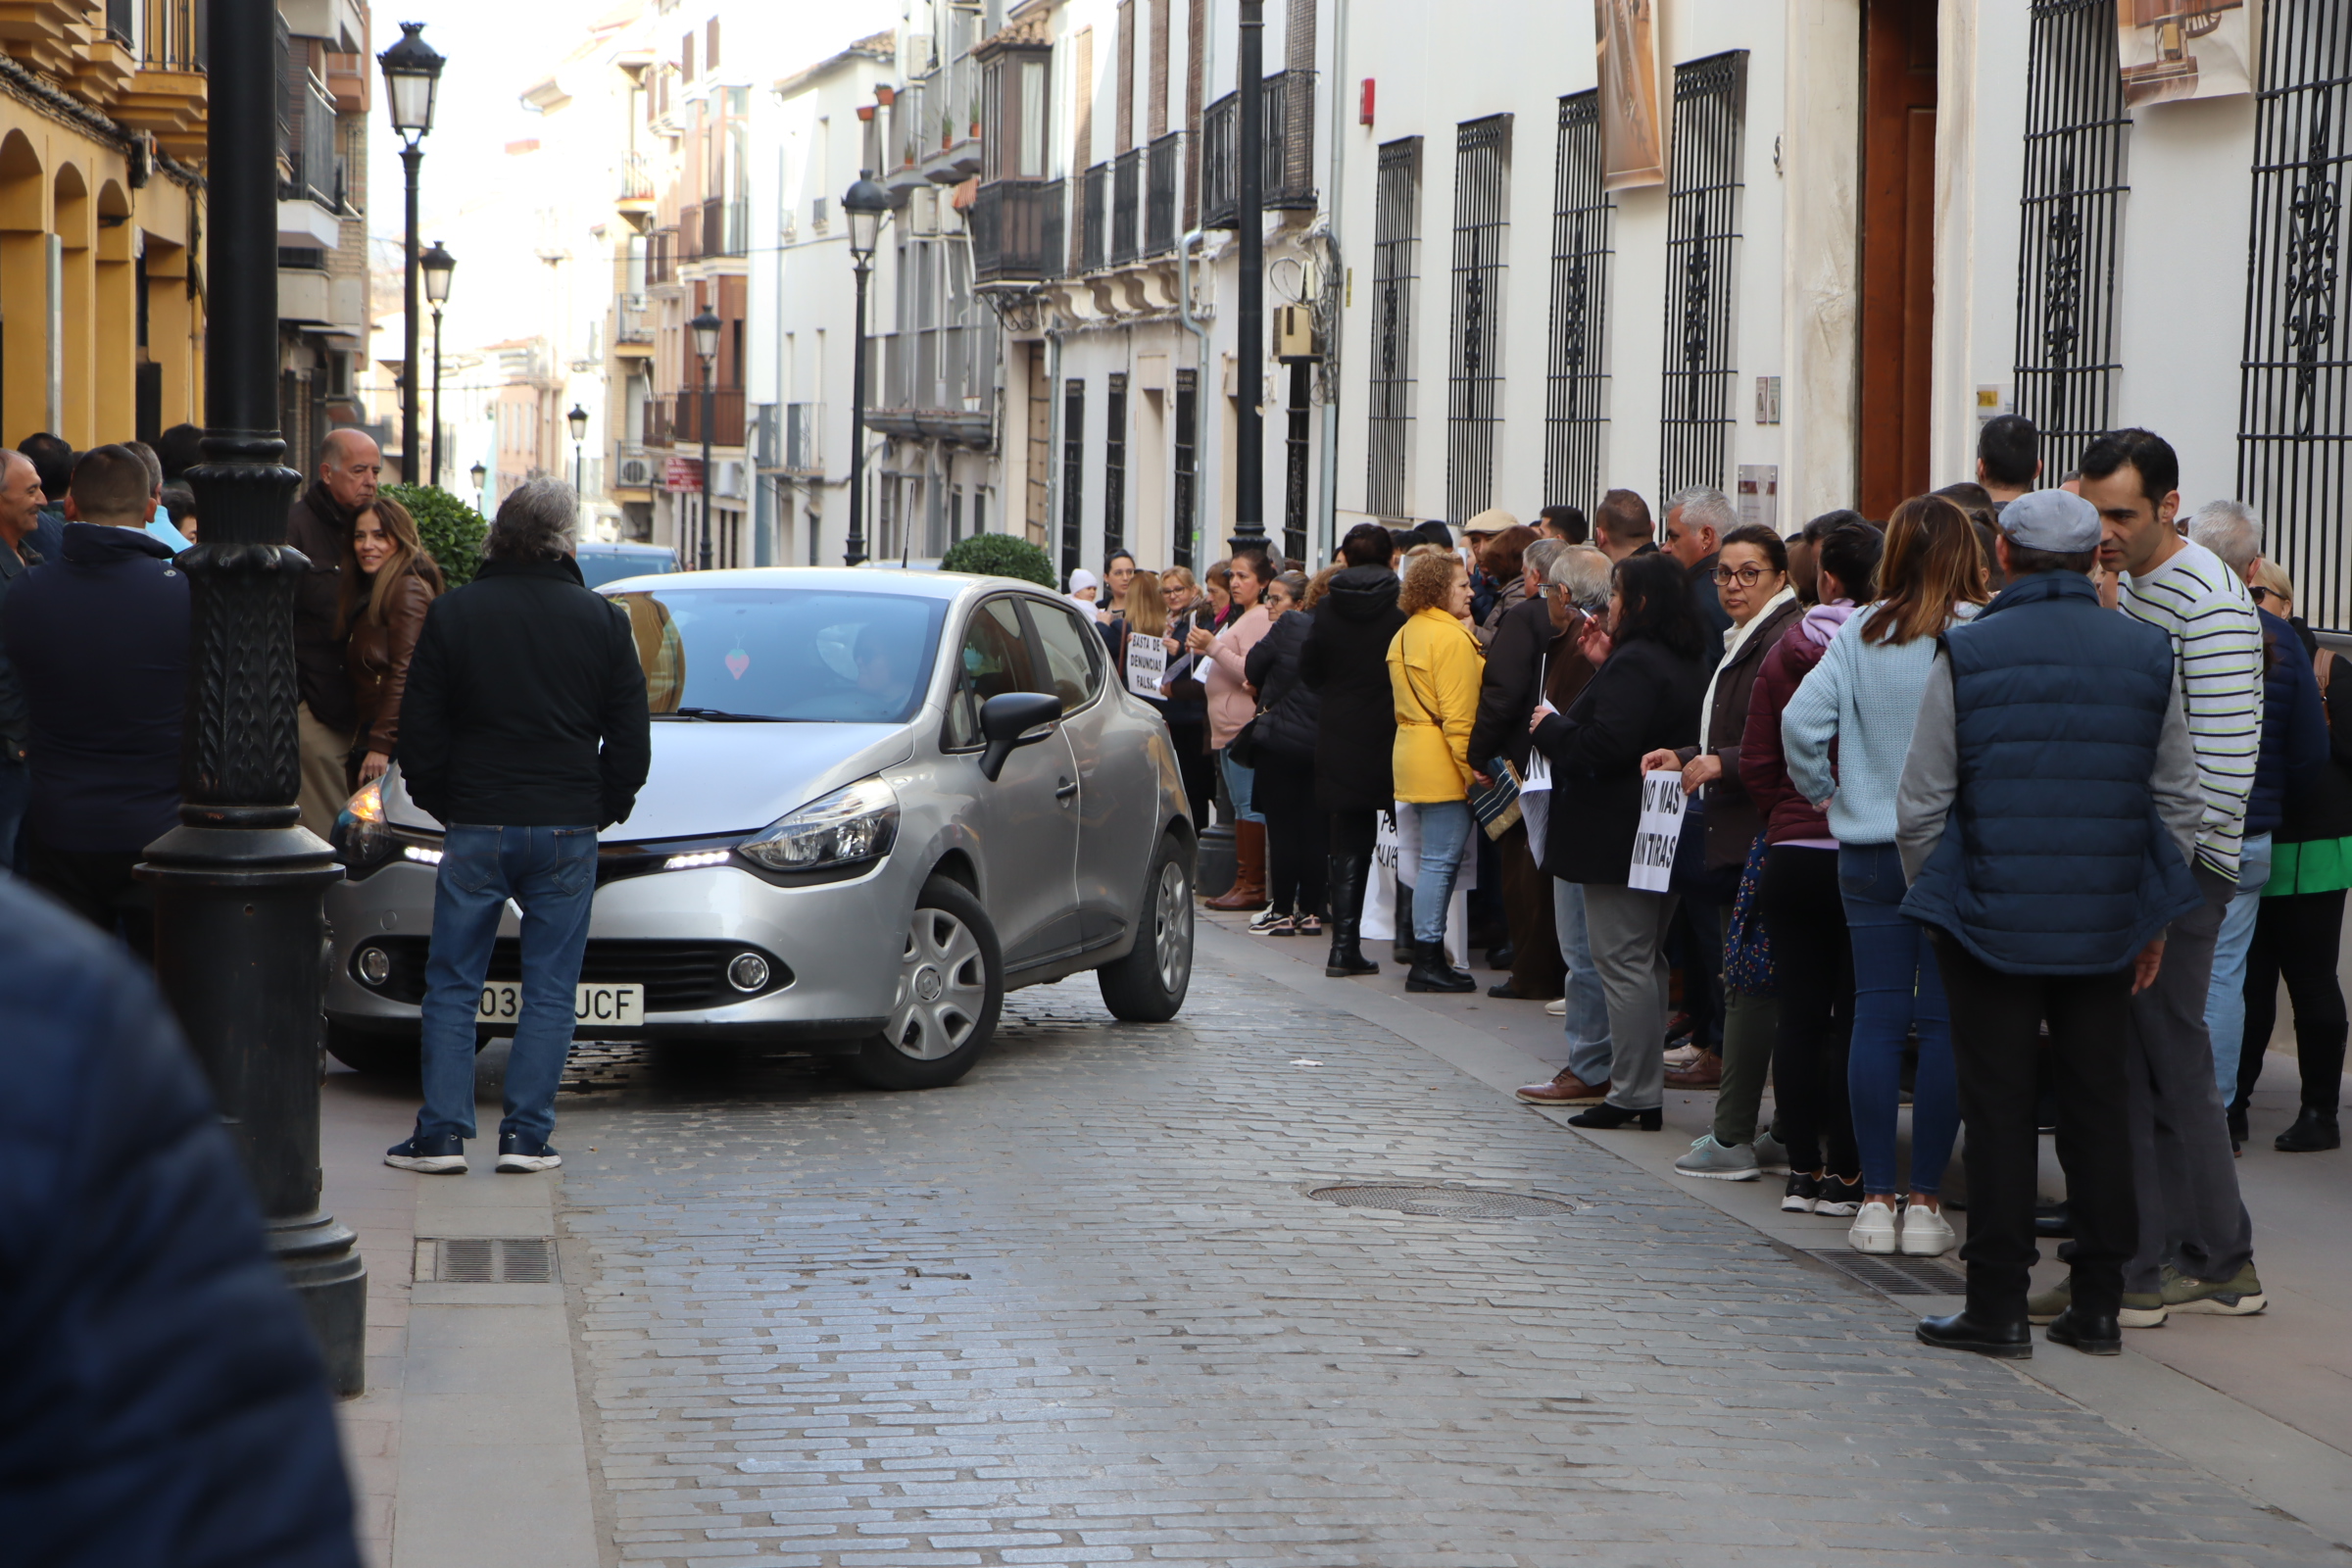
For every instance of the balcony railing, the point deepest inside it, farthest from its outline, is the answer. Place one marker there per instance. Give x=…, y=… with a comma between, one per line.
x=1126, y=205
x=677, y=421
x=636, y=182
x=174, y=34
x=661, y=256
x=1094, y=219
x=1163, y=177
x=804, y=439
x=1016, y=231
x=632, y=320
x=1287, y=104
x=313, y=168
x=936, y=383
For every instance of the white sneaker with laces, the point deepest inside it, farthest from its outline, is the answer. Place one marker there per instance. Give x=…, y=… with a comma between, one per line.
x=1873, y=1230
x=1926, y=1232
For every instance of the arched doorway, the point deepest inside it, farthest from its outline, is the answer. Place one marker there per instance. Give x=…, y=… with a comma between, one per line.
x=23, y=289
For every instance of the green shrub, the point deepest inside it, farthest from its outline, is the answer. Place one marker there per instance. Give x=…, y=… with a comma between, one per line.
x=999, y=554
x=453, y=531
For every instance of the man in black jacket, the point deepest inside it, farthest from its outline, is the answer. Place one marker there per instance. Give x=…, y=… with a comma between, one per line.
x=524, y=730
x=19, y=514
x=319, y=526
x=1517, y=661
x=1346, y=662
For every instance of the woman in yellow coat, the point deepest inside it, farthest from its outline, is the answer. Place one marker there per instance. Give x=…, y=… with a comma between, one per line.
x=1435, y=668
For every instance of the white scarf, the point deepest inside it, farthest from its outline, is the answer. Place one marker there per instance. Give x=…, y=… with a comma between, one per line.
x=1730, y=651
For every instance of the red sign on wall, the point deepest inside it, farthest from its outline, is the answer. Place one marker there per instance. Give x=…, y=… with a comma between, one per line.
x=683, y=473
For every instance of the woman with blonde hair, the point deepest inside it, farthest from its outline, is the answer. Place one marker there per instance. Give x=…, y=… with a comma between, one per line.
x=1187, y=709
x=1435, y=669
x=387, y=562
x=1862, y=698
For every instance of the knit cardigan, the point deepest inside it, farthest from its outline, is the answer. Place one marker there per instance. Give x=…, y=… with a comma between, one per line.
x=1862, y=697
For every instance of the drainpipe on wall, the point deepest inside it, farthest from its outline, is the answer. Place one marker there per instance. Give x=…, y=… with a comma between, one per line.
x=1334, y=281
x=1201, y=393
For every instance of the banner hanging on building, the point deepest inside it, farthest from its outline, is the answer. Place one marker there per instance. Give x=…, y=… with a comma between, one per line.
x=1633, y=145
x=2175, y=49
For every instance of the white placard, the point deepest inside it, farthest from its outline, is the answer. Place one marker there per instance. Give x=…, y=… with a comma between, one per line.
x=1660, y=832
x=1378, y=921
x=1146, y=664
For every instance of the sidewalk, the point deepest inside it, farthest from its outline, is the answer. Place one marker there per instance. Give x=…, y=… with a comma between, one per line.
x=2261, y=1402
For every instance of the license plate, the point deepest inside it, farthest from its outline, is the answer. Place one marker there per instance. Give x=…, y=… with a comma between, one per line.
x=621, y=1006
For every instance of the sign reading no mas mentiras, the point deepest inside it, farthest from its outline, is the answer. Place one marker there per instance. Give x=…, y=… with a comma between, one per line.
x=1659, y=833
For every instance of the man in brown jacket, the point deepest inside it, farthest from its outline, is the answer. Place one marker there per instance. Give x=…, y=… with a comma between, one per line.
x=319, y=526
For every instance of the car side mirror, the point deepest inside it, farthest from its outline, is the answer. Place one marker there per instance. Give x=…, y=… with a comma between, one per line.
x=1013, y=719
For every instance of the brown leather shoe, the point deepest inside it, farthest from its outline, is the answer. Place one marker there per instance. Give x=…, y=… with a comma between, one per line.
x=1567, y=1089
x=1704, y=1073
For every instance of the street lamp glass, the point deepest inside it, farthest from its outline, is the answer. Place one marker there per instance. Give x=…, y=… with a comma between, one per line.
x=437, y=264
x=579, y=423
x=865, y=202
x=705, y=333
x=411, y=75
x=477, y=471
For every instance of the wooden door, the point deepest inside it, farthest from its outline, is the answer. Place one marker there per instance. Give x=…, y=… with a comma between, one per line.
x=1898, y=250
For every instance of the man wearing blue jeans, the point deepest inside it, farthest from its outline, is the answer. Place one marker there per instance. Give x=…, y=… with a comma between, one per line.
x=1585, y=1078
x=524, y=730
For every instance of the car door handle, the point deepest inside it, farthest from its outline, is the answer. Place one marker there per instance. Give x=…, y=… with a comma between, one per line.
x=1066, y=792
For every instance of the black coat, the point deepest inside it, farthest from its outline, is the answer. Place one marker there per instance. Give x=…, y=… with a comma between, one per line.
x=322, y=530
x=1289, y=711
x=1346, y=661
x=2319, y=804
x=526, y=705
x=1644, y=698
x=1506, y=693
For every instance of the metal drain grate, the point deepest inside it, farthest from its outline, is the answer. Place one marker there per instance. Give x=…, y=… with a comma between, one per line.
x=1897, y=1275
x=488, y=1260
x=1441, y=1201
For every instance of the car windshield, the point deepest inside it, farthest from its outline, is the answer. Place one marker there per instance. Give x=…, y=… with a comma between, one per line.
x=601, y=567
x=784, y=652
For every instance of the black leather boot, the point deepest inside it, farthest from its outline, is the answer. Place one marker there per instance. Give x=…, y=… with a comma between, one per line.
x=2314, y=1130
x=1405, y=949
x=1348, y=876
x=1435, y=972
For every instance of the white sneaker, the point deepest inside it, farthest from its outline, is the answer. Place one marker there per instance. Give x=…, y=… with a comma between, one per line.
x=1557, y=1007
x=1682, y=1057
x=1926, y=1232
x=1873, y=1230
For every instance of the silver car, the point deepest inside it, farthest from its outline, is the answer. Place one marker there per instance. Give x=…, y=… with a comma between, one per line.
x=879, y=801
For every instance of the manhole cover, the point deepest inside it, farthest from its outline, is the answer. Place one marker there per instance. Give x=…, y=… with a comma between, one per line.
x=1451, y=1202
x=1893, y=1274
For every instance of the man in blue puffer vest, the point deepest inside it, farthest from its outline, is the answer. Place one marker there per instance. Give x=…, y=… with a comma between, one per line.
x=2045, y=818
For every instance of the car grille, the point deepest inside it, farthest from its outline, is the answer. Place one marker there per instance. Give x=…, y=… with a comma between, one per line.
x=677, y=976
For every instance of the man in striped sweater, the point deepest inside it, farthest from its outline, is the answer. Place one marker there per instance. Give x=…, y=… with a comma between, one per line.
x=2196, y=1241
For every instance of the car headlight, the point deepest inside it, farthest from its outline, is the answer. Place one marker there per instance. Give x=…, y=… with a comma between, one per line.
x=853, y=824
x=361, y=835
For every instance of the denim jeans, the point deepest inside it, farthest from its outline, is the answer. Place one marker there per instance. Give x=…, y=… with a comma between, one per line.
x=1588, y=1050
x=1445, y=829
x=1239, y=783
x=2226, y=996
x=1896, y=987
x=550, y=872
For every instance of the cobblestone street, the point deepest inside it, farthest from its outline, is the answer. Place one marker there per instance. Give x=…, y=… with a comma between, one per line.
x=1084, y=1307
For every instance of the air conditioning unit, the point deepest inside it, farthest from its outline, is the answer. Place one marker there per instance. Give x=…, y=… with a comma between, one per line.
x=636, y=473
x=729, y=480
x=1295, y=333
x=922, y=211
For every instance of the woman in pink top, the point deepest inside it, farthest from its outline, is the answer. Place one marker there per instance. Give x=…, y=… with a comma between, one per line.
x=1231, y=705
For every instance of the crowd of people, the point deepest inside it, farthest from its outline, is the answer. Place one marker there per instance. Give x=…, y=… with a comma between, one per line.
x=2016, y=805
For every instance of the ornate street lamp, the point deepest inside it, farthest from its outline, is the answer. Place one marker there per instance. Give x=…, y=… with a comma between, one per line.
x=437, y=265
x=577, y=418
x=480, y=500
x=239, y=885
x=705, y=327
x=412, y=82
x=866, y=203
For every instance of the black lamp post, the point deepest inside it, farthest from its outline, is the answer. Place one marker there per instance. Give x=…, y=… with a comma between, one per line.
x=866, y=203
x=1249, y=320
x=437, y=265
x=577, y=418
x=239, y=885
x=479, y=474
x=705, y=327
x=412, y=78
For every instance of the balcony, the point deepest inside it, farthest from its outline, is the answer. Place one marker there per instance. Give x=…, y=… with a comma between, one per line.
x=1017, y=231
x=1163, y=180
x=633, y=469
x=307, y=149
x=348, y=79
x=937, y=383
x=951, y=153
x=725, y=226
x=676, y=419
x=632, y=328
x=1287, y=102
x=43, y=33
x=1094, y=220
x=804, y=440
x=1126, y=207
x=634, y=201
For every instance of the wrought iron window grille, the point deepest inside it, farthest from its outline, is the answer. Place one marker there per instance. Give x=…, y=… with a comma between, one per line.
x=1702, y=240
x=1576, y=394
x=1115, y=465
x=1395, y=266
x=1186, y=465
x=1482, y=207
x=1073, y=475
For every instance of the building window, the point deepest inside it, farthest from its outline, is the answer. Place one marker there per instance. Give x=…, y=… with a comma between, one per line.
x=1481, y=174
x=1576, y=392
x=2294, y=440
x=1703, y=238
x=1073, y=474
x=1396, y=260
x=1188, y=465
x=1114, y=467
x=686, y=58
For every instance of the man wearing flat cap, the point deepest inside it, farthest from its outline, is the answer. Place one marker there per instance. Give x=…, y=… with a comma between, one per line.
x=2047, y=820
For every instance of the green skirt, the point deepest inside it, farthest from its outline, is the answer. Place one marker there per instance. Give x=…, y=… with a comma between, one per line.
x=2319, y=865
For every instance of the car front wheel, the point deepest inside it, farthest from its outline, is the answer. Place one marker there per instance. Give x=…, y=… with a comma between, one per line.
x=951, y=987
x=1148, y=986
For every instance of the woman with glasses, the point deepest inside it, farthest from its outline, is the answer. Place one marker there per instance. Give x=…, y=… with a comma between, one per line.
x=1751, y=582
x=1861, y=699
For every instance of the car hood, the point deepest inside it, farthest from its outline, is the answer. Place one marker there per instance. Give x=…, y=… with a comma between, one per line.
x=710, y=779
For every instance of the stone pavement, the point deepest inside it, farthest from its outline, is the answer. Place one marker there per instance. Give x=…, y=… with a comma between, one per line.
x=1082, y=1308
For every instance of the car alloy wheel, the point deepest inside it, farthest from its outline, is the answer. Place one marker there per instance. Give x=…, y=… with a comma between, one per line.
x=1172, y=928
x=942, y=988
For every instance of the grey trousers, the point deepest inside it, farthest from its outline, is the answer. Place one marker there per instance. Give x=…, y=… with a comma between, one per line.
x=1627, y=928
x=2186, y=1182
